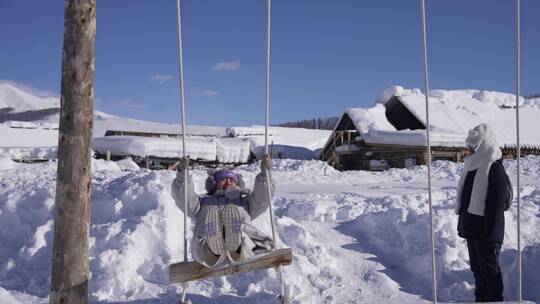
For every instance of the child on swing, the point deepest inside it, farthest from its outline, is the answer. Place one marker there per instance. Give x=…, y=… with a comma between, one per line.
x=223, y=216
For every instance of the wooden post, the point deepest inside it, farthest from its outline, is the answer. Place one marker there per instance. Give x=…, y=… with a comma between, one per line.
x=147, y=162
x=349, y=140
x=108, y=155
x=69, y=282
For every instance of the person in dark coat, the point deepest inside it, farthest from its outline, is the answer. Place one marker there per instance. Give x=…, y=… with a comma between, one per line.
x=481, y=201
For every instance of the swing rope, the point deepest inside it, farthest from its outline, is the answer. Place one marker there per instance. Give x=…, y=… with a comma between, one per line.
x=267, y=110
x=267, y=114
x=181, y=78
x=183, y=114
x=426, y=85
x=266, y=124
x=518, y=148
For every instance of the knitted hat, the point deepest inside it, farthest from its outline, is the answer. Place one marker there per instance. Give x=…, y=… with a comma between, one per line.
x=223, y=174
x=211, y=183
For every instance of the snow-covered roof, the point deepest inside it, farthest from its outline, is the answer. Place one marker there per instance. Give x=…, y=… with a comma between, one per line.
x=31, y=125
x=287, y=152
x=289, y=143
x=223, y=150
x=298, y=137
x=239, y=131
x=452, y=114
x=232, y=150
x=104, y=124
x=297, y=143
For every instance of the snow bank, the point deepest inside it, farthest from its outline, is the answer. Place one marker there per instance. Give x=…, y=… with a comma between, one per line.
x=7, y=298
x=14, y=297
x=31, y=125
x=36, y=136
x=7, y=163
x=357, y=236
x=101, y=165
x=128, y=165
x=30, y=153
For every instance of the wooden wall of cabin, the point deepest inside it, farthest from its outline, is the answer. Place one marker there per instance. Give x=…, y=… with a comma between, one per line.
x=396, y=156
x=512, y=153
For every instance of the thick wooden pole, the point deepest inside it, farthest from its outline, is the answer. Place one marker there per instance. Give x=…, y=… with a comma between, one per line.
x=69, y=283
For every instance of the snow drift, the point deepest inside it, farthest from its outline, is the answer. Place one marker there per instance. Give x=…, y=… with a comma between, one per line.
x=357, y=236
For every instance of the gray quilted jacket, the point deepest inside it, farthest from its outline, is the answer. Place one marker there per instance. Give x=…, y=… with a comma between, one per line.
x=253, y=205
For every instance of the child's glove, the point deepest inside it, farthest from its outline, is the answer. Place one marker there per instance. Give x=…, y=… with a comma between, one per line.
x=183, y=164
x=266, y=163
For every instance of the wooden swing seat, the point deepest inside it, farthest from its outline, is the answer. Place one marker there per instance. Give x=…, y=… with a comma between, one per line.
x=192, y=271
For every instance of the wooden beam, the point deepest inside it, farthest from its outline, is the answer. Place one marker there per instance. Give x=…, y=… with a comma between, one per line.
x=193, y=271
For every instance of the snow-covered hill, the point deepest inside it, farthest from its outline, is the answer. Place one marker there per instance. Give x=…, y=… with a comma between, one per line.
x=19, y=103
x=357, y=236
x=20, y=100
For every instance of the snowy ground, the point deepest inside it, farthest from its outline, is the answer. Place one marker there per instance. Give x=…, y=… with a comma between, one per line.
x=358, y=237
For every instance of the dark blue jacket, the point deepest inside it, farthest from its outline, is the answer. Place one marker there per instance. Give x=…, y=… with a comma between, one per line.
x=491, y=225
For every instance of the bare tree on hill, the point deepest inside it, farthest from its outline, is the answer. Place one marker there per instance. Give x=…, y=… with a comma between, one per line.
x=327, y=123
x=530, y=96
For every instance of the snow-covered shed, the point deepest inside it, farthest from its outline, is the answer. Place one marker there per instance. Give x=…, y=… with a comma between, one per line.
x=392, y=132
x=158, y=144
x=108, y=125
x=294, y=143
x=166, y=150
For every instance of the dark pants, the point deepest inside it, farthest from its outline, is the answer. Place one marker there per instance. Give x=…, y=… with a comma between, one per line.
x=484, y=259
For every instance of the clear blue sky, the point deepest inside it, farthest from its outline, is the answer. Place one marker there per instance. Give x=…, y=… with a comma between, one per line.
x=326, y=55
